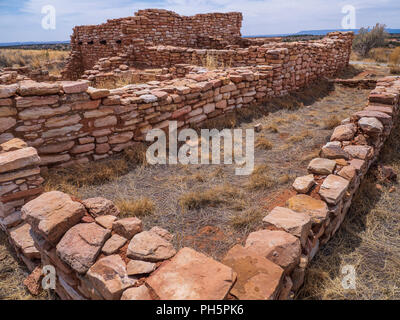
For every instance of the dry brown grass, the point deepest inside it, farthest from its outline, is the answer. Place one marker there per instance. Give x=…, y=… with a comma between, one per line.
x=51, y=59
x=135, y=208
x=72, y=178
x=395, y=61
x=263, y=143
x=261, y=178
x=223, y=194
x=12, y=275
x=300, y=137
x=248, y=219
x=331, y=122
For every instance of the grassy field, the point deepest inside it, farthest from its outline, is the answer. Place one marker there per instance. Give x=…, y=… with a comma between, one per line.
x=51, y=60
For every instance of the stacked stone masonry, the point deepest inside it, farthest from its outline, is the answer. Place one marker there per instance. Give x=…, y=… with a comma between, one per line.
x=99, y=256
x=69, y=122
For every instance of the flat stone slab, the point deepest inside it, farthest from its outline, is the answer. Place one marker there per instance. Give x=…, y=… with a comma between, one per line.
x=139, y=293
x=316, y=209
x=128, y=227
x=23, y=240
x=108, y=276
x=257, y=277
x=191, y=275
x=33, y=88
x=52, y=214
x=296, y=223
x=18, y=159
x=359, y=152
x=304, y=184
x=100, y=207
x=136, y=267
x=321, y=166
x=333, y=188
x=334, y=150
x=149, y=246
x=280, y=247
x=13, y=145
x=113, y=244
x=106, y=221
x=81, y=245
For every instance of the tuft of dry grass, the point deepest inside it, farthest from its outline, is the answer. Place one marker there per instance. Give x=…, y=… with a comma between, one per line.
x=331, y=122
x=300, y=137
x=223, y=194
x=247, y=220
x=135, y=208
x=261, y=178
x=263, y=143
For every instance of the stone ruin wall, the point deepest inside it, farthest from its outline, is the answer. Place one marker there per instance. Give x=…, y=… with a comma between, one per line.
x=69, y=122
x=151, y=26
x=99, y=256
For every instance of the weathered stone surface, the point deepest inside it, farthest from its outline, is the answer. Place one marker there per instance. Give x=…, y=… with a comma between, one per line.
x=149, y=246
x=61, y=131
x=137, y=267
x=304, y=184
x=162, y=233
x=321, y=166
x=7, y=91
x=52, y=214
x=121, y=138
x=333, y=189
x=384, y=118
x=100, y=207
x=9, y=176
x=257, y=277
x=348, y=172
x=49, y=160
x=105, y=122
x=333, y=150
x=296, y=223
x=33, y=281
x=371, y=126
x=81, y=245
x=148, y=98
x=280, y=247
x=128, y=227
x=191, y=275
x=74, y=86
x=344, y=132
x=25, y=102
x=139, y=293
x=32, y=88
x=58, y=122
x=18, y=159
x=56, y=147
x=13, y=145
x=7, y=123
x=97, y=93
x=316, y=209
x=42, y=112
x=109, y=277
x=106, y=221
x=22, y=238
x=113, y=244
x=7, y=111
x=360, y=152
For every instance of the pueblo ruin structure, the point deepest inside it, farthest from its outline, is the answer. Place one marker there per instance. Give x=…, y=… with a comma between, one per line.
x=190, y=70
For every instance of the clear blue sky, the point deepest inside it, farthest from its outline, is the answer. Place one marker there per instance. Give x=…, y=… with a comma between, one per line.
x=20, y=20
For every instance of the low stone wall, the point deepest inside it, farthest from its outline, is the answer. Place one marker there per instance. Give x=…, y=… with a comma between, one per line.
x=69, y=123
x=98, y=256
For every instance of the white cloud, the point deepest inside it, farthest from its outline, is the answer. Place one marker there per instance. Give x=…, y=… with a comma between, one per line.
x=260, y=16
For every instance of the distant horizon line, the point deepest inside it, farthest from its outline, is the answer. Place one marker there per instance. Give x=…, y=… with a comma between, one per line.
x=316, y=32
